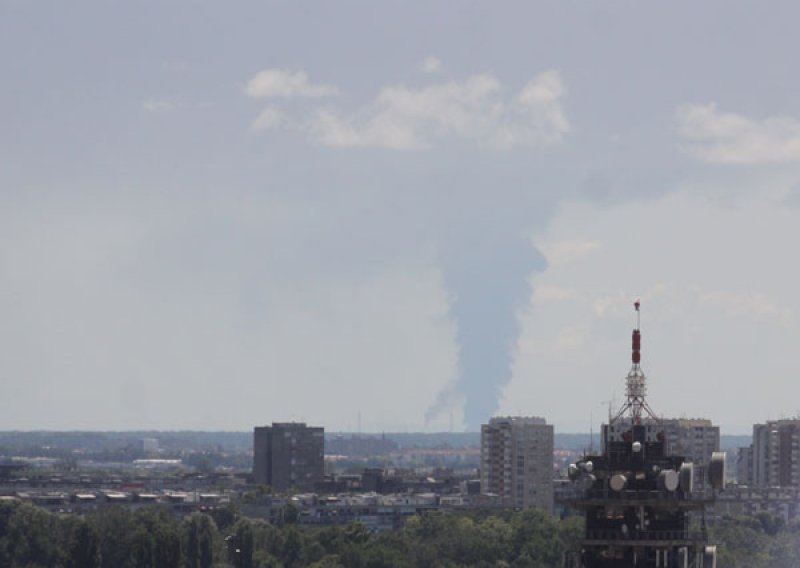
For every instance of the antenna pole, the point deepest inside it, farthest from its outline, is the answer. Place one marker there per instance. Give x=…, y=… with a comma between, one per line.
x=635, y=382
x=636, y=305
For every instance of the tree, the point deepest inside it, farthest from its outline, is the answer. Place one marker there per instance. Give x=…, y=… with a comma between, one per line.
x=536, y=538
x=141, y=550
x=225, y=517
x=741, y=543
x=571, y=530
x=114, y=527
x=288, y=514
x=85, y=548
x=166, y=546
x=292, y=546
x=241, y=544
x=328, y=561
x=34, y=537
x=200, y=534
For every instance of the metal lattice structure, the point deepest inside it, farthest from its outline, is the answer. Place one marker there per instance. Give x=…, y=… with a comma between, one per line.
x=635, y=404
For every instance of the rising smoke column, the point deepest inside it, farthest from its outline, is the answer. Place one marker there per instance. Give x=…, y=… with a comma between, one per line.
x=466, y=189
x=489, y=283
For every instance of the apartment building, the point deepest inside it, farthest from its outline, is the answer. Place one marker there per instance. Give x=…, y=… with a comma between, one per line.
x=288, y=455
x=517, y=461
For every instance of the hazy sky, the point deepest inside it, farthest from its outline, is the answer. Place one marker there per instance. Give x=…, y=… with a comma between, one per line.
x=405, y=215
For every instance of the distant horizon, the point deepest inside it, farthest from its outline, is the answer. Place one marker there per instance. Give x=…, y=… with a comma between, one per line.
x=327, y=431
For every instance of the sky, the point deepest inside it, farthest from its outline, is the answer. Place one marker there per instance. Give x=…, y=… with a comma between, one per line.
x=396, y=216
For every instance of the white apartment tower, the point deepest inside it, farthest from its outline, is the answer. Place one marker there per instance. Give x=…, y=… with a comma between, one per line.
x=517, y=461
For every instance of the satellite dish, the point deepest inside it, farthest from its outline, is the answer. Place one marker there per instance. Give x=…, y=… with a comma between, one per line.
x=618, y=482
x=686, y=475
x=572, y=471
x=716, y=470
x=668, y=480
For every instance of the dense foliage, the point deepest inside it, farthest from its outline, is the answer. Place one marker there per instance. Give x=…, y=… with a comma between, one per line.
x=151, y=537
x=117, y=538
x=756, y=542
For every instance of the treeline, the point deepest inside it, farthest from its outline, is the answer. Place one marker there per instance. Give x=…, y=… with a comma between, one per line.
x=120, y=538
x=44, y=443
x=762, y=541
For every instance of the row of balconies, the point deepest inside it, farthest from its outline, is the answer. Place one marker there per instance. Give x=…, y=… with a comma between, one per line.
x=665, y=535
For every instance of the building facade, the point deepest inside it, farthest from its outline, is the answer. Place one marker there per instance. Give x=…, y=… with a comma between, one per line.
x=517, y=461
x=288, y=455
x=744, y=466
x=696, y=439
x=744, y=501
x=773, y=459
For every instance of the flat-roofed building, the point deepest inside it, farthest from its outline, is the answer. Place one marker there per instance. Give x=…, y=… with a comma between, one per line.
x=775, y=454
x=517, y=461
x=288, y=455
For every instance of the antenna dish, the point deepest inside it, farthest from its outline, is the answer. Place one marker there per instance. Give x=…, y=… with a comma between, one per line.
x=716, y=470
x=687, y=477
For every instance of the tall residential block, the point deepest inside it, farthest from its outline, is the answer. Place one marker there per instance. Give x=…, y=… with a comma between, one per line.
x=288, y=455
x=517, y=461
x=773, y=459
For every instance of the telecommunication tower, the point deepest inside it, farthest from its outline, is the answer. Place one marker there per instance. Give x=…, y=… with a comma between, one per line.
x=636, y=497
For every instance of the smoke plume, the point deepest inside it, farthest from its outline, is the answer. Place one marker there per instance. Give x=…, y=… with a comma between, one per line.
x=488, y=284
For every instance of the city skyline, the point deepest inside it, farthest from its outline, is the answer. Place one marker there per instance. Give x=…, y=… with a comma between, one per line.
x=395, y=218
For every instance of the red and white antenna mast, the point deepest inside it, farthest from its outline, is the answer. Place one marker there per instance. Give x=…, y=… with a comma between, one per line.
x=635, y=404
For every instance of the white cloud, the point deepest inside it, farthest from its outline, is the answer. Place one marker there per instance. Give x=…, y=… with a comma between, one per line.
x=571, y=338
x=430, y=65
x=545, y=92
x=566, y=341
x=402, y=118
x=157, y=105
x=752, y=305
x=272, y=83
x=385, y=131
x=563, y=252
x=729, y=138
x=476, y=109
x=269, y=118
x=546, y=294
x=613, y=302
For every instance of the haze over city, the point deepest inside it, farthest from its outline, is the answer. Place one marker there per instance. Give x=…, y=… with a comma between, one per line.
x=395, y=217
